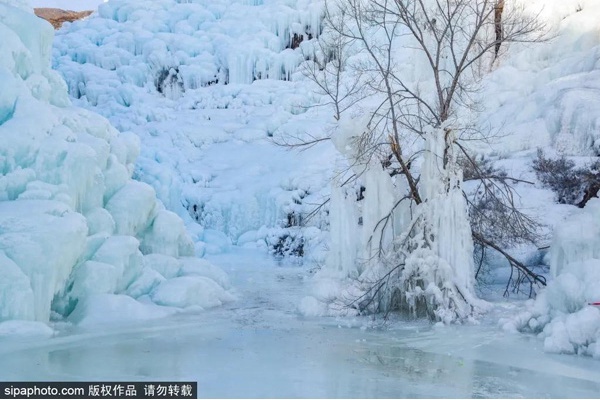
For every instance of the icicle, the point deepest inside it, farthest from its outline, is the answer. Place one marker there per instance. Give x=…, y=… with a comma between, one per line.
x=344, y=228
x=447, y=210
x=378, y=230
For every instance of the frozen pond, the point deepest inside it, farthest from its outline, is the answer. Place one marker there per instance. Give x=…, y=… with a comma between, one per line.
x=260, y=347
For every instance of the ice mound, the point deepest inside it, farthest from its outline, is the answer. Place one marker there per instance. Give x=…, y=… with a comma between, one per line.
x=562, y=314
x=77, y=234
x=110, y=308
x=188, y=291
x=31, y=329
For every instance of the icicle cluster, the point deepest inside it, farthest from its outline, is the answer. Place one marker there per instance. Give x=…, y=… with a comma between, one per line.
x=438, y=272
x=416, y=261
x=177, y=46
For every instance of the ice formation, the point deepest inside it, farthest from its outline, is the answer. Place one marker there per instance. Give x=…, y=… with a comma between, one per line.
x=443, y=261
x=543, y=94
x=562, y=314
x=77, y=234
x=206, y=85
x=194, y=44
x=432, y=241
x=343, y=221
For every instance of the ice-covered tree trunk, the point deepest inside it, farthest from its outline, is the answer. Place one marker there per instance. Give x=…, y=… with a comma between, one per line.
x=416, y=259
x=438, y=276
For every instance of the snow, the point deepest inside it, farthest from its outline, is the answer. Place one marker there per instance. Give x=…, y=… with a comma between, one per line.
x=15, y=288
x=446, y=209
x=561, y=315
x=95, y=277
x=122, y=252
x=343, y=221
x=144, y=283
x=133, y=206
x=379, y=201
x=544, y=96
x=435, y=277
x=73, y=224
x=44, y=239
x=535, y=95
x=543, y=93
x=194, y=266
x=167, y=235
x=577, y=241
x=99, y=220
x=165, y=265
x=575, y=333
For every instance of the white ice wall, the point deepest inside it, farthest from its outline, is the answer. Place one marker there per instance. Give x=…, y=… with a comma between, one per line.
x=208, y=147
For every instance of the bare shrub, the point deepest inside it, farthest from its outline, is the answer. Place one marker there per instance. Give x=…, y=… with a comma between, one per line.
x=571, y=185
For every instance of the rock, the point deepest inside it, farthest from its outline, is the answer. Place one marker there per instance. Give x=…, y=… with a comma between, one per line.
x=56, y=16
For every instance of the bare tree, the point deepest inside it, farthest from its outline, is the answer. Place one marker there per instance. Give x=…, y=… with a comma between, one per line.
x=424, y=60
x=329, y=67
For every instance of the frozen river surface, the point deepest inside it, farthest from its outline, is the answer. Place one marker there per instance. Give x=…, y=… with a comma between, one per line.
x=260, y=347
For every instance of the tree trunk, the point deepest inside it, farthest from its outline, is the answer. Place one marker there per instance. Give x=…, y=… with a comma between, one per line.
x=498, y=25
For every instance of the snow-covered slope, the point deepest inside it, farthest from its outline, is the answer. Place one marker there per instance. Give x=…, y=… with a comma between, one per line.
x=76, y=232
x=548, y=93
